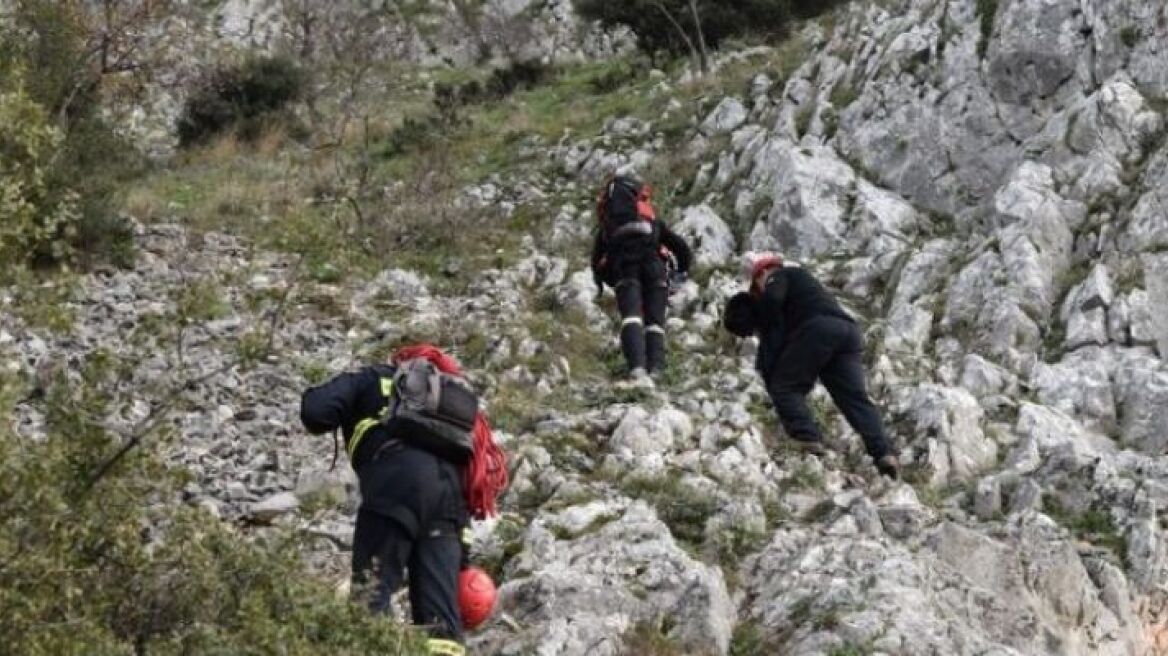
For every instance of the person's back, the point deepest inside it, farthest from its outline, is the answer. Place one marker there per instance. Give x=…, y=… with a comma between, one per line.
x=418, y=488
x=627, y=255
x=791, y=297
x=804, y=297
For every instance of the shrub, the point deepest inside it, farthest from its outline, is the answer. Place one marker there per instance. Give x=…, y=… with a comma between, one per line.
x=34, y=222
x=122, y=568
x=517, y=76
x=81, y=168
x=502, y=82
x=241, y=96
x=720, y=20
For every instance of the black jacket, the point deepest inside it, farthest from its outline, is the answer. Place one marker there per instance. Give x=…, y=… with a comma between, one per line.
x=607, y=254
x=345, y=401
x=789, y=298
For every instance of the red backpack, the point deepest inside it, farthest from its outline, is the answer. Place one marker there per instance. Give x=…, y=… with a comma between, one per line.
x=624, y=208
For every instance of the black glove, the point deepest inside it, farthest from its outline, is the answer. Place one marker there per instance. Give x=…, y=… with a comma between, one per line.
x=599, y=285
x=677, y=279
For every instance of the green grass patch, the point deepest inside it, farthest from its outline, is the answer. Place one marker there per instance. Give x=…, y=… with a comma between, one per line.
x=987, y=13
x=747, y=639
x=41, y=301
x=1091, y=525
x=684, y=509
x=652, y=639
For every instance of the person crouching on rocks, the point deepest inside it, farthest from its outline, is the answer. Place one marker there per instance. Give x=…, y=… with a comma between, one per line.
x=804, y=336
x=426, y=461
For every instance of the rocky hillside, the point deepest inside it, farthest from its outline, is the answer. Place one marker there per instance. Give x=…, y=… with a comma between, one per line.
x=982, y=181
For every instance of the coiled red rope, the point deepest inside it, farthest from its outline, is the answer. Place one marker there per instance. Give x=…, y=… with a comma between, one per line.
x=486, y=473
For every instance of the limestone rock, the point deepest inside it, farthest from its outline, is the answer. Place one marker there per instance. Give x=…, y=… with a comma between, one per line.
x=726, y=117
x=626, y=571
x=707, y=234
x=276, y=506
x=949, y=422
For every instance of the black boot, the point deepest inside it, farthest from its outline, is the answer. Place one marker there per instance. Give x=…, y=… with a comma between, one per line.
x=633, y=343
x=655, y=349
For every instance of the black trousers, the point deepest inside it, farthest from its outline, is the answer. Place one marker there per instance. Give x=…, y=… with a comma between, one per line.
x=828, y=349
x=641, y=295
x=411, y=515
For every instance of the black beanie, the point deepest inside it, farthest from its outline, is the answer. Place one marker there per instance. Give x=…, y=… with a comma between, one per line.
x=739, y=315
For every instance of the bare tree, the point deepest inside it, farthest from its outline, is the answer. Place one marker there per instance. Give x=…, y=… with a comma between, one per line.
x=698, y=55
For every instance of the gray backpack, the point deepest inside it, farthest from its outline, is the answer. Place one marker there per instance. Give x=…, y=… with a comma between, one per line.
x=432, y=410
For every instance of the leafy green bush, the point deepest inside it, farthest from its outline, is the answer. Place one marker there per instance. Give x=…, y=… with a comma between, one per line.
x=65, y=158
x=120, y=567
x=240, y=96
x=33, y=220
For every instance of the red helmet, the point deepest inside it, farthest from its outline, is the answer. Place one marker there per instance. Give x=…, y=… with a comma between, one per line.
x=761, y=265
x=476, y=596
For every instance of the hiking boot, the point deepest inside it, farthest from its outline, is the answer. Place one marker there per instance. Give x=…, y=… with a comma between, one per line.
x=638, y=379
x=889, y=465
x=814, y=447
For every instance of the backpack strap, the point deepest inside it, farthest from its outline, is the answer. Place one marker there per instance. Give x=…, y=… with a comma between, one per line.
x=644, y=207
x=362, y=428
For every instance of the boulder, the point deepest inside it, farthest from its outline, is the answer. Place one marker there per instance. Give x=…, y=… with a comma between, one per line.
x=582, y=593
x=728, y=116
x=707, y=234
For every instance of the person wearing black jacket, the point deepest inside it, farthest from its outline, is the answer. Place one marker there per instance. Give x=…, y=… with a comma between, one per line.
x=804, y=336
x=412, y=512
x=634, y=263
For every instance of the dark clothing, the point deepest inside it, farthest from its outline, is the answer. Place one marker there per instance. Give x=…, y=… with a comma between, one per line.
x=412, y=503
x=343, y=402
x=608, y=256
x=422, y=533
x=641, y=295
x=830, y=349
x=804, y=336
x=790, y=297
x=633, y=266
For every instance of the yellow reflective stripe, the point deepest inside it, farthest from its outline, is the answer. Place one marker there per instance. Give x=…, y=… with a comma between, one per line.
x=438, y=647
x=364, y=425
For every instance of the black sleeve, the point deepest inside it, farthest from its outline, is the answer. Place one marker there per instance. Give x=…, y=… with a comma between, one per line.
x=325, y=407
x=678, y=247
x=597, y=254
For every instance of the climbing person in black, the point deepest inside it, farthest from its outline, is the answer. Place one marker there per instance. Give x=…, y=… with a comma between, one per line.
x=804, y=336
x=630, y=254
x=418, y=488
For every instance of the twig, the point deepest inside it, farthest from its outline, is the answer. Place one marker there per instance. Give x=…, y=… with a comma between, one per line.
x=151, y=421
x=147, y=425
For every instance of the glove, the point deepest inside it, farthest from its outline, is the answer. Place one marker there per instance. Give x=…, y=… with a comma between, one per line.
x=599, y=285
x=677, y=279
x=465, y=540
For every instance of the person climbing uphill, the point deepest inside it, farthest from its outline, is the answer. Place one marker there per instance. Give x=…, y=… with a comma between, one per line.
x=630, y=254
x=426, y=461
x=805, y=335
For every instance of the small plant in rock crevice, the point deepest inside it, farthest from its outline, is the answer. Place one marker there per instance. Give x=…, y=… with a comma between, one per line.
x=987, y=13
x=684, y=509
